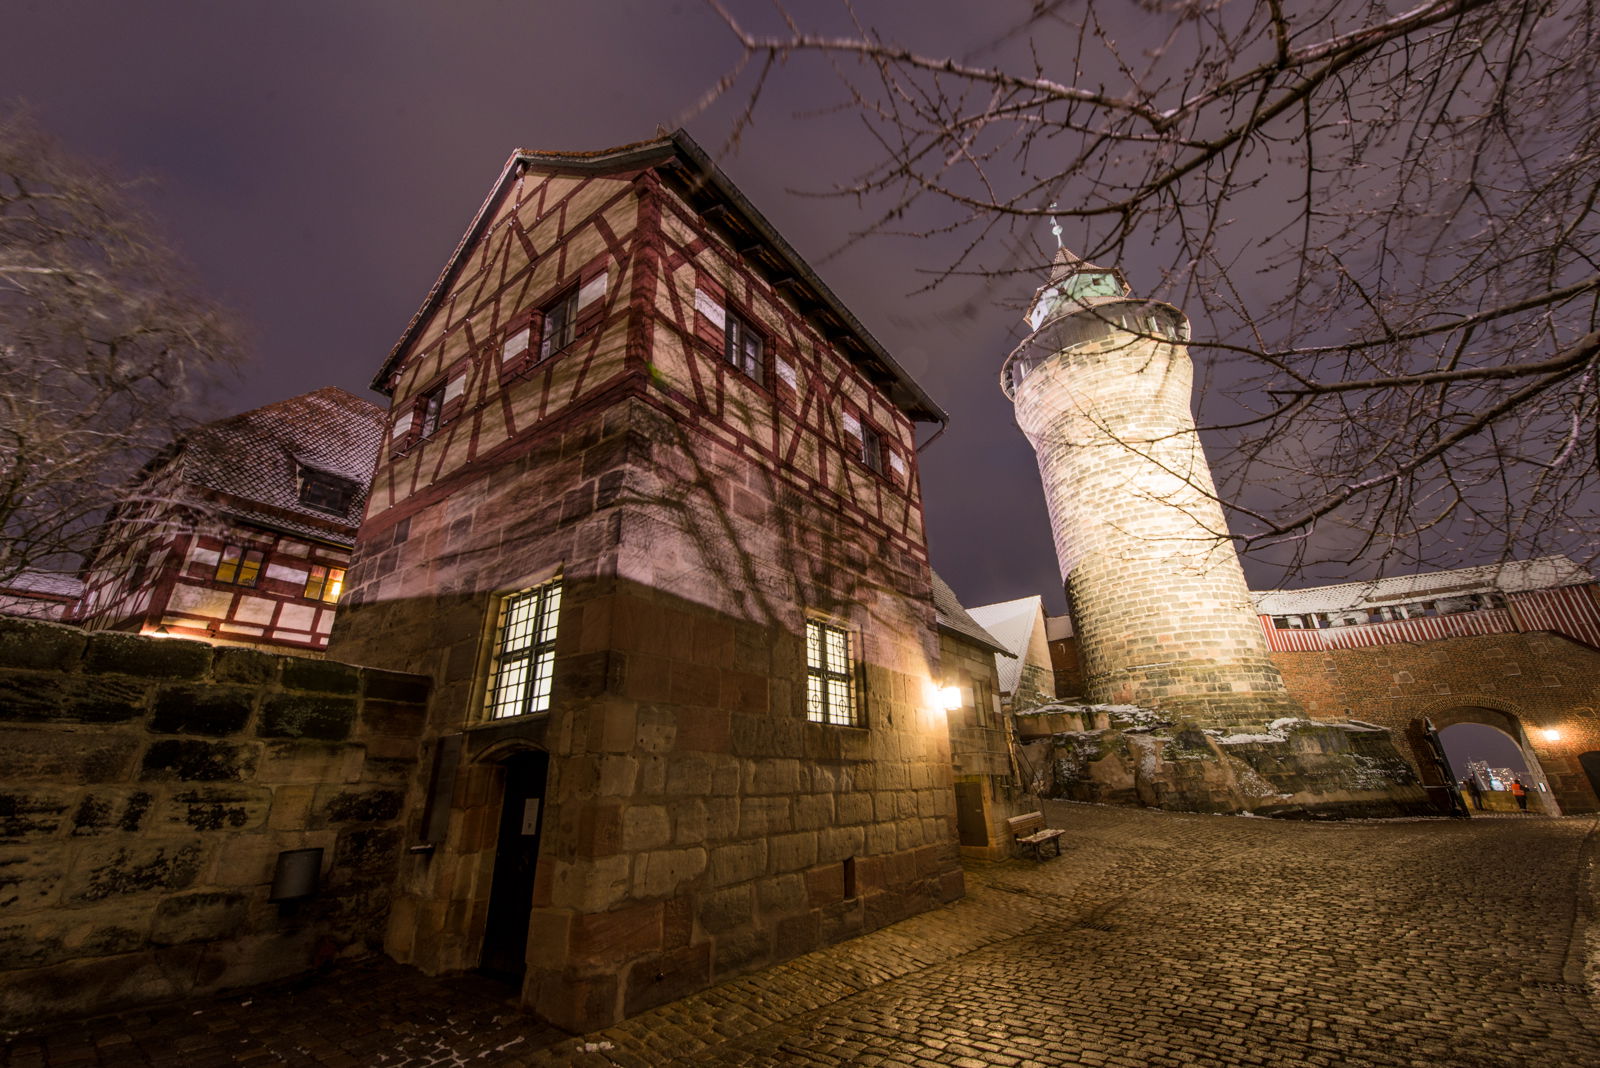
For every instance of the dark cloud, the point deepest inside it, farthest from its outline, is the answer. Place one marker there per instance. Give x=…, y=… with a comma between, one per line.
x=316, y=164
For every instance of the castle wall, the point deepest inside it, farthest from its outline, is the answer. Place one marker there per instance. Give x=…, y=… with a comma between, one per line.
x=1521, y=683
x=1159, y=603
x=146, y=789
x=695, y=823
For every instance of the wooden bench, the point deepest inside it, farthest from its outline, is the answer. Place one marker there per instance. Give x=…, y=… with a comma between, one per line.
x=1031, y=833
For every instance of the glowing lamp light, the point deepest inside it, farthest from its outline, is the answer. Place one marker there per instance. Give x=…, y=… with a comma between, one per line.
x=950, y=698
x=1551, y=735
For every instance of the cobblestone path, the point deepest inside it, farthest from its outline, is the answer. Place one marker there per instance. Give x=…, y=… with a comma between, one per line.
x=1156, y=939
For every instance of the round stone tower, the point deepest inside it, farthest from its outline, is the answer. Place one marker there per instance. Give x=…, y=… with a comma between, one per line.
x=1164, y=620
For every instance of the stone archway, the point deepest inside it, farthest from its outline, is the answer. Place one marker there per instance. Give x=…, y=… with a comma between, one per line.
x=1503, y=717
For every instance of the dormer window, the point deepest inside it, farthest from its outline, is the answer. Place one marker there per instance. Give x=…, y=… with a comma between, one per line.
x=325, y=492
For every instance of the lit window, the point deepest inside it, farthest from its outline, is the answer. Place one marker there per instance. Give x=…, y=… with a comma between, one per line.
x=830, y=675
x=742, y=346
x=872, y=447
x=239, y=566
x=560, y=322
x=524, y=652
x=325, y=584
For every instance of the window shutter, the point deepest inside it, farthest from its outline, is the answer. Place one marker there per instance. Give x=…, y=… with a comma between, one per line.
x=400, y=436
x=455, y=395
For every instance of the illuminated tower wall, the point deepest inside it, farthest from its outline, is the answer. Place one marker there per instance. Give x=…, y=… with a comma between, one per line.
x=1102, y=390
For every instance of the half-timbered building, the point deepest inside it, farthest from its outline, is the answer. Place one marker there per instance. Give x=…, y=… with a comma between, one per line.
x=241, y=532
x=648, y=512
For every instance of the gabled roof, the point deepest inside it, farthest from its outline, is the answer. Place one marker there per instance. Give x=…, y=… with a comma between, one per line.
x=1011, y=623
x=255, y=458
x=1513, y=576
x=956, y=620
x=710, y=192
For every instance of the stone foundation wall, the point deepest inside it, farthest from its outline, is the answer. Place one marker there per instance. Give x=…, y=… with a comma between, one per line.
x=146, y=788
x=1294, y=768
x=1524, y=684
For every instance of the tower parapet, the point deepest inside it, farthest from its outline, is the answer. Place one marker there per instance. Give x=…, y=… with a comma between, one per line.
x=1102, y=390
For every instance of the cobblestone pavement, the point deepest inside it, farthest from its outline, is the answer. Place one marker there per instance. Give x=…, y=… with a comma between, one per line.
x=1155, y=939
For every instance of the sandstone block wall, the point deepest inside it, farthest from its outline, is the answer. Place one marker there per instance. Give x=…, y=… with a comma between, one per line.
x=146, y=788
x=696, y=825
x=980, y=745
x=1162, y=613
x=1523, y=684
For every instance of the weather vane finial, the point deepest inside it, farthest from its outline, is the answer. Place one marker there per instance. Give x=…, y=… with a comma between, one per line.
x=1055, y=227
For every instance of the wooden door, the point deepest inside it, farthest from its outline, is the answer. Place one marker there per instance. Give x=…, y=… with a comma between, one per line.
x=505, y=932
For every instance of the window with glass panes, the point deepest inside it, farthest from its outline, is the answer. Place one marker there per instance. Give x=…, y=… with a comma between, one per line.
x=325, y=492
x=325, y=583
x=524, y=652
x=238, y=565
x=872, y=447
x=429, y=407
x=830, y=675
x=742, y=346
x=560, y=322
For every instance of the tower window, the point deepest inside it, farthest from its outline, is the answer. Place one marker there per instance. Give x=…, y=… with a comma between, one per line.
x=872, y=447
x=742, y=346
x=430, y=406
x=524, y=652
x=830, y=676
x=560, y=325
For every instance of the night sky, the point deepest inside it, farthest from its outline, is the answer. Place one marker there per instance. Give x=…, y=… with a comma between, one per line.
x=316, y=163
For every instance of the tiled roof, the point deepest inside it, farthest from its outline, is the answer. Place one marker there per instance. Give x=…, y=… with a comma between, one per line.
x=1512, y=576
x=45, y=584
x=954, y=618
x=1012, y=623
x=256, y=456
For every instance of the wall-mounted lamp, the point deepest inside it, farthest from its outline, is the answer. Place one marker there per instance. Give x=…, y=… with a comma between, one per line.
x=950, y=698
x=1551, y=735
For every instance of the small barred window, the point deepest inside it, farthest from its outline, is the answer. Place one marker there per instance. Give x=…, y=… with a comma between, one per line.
x=830, y=676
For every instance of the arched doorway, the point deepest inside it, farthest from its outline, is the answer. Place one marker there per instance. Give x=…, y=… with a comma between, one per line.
x=505, y=929
x=1490, y=744
x=1590, y=763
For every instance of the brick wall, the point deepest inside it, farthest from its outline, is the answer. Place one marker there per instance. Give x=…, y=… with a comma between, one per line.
x=146, y=788
x=1520, y=683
